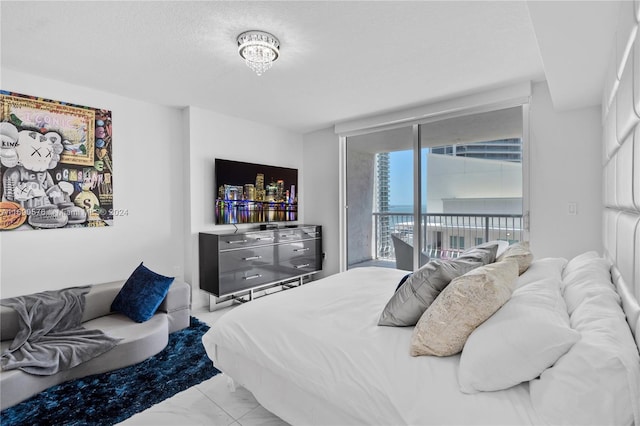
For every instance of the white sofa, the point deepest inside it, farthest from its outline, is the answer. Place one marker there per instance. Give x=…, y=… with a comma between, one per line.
x=140, y=340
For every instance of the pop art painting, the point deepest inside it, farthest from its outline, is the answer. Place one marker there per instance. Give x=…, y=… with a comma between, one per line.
x=55, y=164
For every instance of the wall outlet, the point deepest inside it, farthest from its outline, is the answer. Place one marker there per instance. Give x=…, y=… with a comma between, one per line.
x=572, y=209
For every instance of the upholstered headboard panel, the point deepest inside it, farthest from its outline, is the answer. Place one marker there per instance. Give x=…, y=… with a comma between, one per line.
x=621, y=163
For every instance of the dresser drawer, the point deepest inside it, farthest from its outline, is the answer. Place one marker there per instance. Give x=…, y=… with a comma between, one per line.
x=297, y=249
x=234, y=281
x=235, y=241
x=293, y=234
x=285, y=235
x=245, y=259
x=310, y=232
x=300, y=256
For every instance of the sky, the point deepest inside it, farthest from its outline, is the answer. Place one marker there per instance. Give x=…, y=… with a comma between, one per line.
x=401, y=177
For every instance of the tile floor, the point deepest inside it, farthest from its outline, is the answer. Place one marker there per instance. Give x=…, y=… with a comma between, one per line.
x=209, y=403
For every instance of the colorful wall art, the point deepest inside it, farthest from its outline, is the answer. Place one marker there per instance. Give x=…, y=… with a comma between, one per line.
x=55, y=164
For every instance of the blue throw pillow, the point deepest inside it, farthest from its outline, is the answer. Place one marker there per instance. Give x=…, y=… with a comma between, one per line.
x=141, y=295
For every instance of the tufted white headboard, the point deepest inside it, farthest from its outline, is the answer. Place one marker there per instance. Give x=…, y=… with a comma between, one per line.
x=621, y=163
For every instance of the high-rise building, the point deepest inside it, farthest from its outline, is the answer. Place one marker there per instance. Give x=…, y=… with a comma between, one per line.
x=271, y=192
x=260, y=192
x=259, y=181
x=502, y=149
x=249, y=192
x=280, y=190
x=382, y=201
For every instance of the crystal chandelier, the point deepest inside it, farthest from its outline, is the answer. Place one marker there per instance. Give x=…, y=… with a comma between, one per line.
x=259, y=50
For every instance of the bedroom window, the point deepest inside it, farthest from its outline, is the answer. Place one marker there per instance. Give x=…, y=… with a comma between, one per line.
x=429, y=190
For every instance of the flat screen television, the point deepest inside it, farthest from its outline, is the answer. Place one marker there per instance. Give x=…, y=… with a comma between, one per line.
x=255, y=193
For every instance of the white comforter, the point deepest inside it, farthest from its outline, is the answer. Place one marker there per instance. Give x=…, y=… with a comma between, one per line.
x=323, y=338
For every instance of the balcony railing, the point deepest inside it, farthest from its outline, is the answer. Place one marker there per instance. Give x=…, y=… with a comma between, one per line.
x=444, y=235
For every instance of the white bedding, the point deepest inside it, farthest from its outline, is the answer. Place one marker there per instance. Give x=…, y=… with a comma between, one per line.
x=346, y=368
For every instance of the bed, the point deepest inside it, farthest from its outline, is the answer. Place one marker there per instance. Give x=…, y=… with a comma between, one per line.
x=316, y=355
x=563, y=348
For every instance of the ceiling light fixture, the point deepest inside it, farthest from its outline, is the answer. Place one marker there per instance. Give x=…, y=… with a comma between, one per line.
x=258, y=49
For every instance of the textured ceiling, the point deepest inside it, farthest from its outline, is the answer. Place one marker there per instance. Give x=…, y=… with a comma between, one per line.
x=339, y=60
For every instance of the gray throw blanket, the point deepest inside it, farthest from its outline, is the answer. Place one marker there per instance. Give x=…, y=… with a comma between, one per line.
x=50, y=337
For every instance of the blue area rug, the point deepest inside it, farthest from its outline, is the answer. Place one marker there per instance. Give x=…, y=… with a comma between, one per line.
x=109, y=398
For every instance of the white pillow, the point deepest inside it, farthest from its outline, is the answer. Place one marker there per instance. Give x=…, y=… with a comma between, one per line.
x=549, y=267
x=519, y=252
x=587, y=275
x=463, y=305
x=580, y=262
x=502, y=246
x=522, y=339
x=598, y=381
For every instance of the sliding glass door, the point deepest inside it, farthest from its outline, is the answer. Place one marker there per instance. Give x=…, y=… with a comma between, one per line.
x=379, y=194
x=433, y=189
x=472, y=181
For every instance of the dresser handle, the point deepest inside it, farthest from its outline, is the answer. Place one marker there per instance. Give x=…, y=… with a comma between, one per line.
x=251, y=277
x=252, y=258
x=264, y=238
x=301, y=266
x=302, y=249
x=237, y=242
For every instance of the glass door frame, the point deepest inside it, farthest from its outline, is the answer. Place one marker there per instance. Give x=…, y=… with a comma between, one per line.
x=417, y=195
x=417, y=167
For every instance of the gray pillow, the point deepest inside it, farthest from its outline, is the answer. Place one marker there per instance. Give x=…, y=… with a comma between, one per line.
x=407, y=305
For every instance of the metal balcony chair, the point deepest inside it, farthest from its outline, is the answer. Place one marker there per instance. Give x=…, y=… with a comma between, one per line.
x=404, y=254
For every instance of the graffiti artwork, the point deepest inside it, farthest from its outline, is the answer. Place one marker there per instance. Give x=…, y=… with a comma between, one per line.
x=55, y=164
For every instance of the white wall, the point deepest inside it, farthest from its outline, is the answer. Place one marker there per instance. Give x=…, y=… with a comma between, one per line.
x=564, y=167
x=565, y=160
x=163, y=159
x=147, y=159
x=212, y=135
x=163, y=176
x=321, y=154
